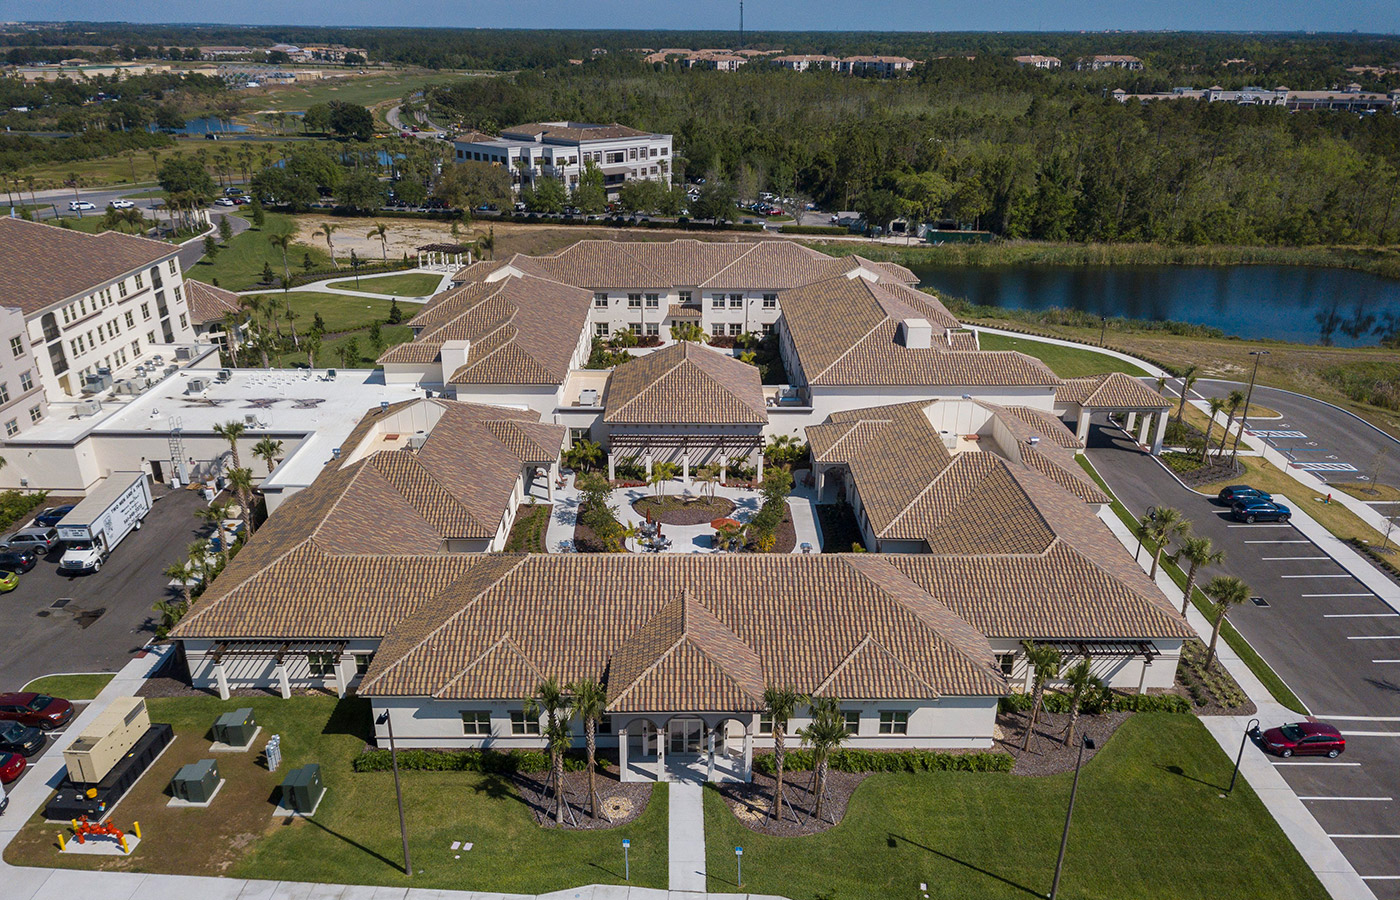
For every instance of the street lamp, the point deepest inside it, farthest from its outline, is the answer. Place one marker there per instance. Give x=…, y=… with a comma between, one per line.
x=1103, y=330
x=1258, y=355
x=1248, y=730
x=384, y=719
x=1085, y=742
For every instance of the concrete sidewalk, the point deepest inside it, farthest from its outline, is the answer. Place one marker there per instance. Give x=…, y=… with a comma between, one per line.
x=687, y=838
x=323, y=286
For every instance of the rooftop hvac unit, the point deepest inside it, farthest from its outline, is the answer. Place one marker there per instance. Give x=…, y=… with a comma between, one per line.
x=416, y=441
x=197, y=385
x=184, y=353
x=127, y=386
x=170, y=370
x=97, y=382
x=158, y=359
x=251, y=420
x=224, y=375
x=235, y=728
x=90, y=407
x=196, y=781
x=302, y=789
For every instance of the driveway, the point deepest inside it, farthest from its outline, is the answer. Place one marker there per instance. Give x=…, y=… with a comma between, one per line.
x=1332, y=640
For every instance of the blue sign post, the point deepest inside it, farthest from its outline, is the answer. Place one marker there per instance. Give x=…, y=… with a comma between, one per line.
x=739, y=861
x=626, y=861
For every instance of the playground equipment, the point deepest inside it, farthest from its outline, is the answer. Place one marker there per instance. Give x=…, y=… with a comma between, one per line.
x=83, y=829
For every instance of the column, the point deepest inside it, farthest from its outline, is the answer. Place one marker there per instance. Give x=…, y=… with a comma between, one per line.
x=552, y=476
x=221, y=680
x=612, y=467
x=1142, y=679
x=819, y=476
x=622, y=755
x=284, y=683
x=1146, y=427
x=661, y=753
x=685, y=469
x=723, y=470
x=760, y=467
x=1082, y=432
x=1161, y=433
x=748, y=752
x=648, y=459
x=710, y=769
x=1132, y=420
x=344, y=671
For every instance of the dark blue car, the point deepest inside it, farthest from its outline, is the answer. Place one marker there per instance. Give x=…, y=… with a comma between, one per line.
x=22, y=739
x=1230, y=495
x=51, y=516
x=1258, y=510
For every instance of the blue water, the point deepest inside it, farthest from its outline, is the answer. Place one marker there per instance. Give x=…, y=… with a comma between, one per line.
x=1333, y=307
x=205, y=125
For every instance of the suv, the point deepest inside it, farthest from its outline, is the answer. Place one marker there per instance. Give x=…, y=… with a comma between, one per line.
x=39, y=710
x=1228, y=496
x=17, y=738
x=53, y=515
x=17, y=559
x=40, y=540
x=1256, y=510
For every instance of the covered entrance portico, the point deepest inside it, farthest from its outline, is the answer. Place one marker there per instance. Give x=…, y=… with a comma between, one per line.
x=702, y=747
x=1115, y=392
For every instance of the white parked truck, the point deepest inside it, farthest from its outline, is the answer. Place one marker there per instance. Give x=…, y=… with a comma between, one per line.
x=94, y=527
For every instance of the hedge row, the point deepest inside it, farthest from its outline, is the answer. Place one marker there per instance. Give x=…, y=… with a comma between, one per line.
x=622, y=222
x=16, y=505
x=889, y=761
x=495, y=762
x=1112, y=702
x=814, y=229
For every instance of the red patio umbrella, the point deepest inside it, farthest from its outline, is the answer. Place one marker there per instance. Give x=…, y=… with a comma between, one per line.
x=724, y=522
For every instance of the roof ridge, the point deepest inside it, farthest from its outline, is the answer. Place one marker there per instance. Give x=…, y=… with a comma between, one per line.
x=869, y=641
x=668, y=371
x=432, y=476
x=503, y=641
x=927, y=488
x=858, y=341
x=732, y=263
x=195, y=614
x=660, y=657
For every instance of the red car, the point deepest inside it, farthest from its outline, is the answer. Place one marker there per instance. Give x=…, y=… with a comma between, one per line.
x=1304, y=739
x=37, y=710
x=12, y=765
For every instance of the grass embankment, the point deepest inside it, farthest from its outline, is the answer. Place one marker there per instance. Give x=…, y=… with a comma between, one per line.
x=139, y=168
x=71, y=687
x=347, y=318
x=238, y=266
x=354, y=836
x=1066, y=362
x=1261, y=669
x=996, y=835
x=413, y=284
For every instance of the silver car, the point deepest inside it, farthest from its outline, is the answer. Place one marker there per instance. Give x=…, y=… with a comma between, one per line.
x=38, y=541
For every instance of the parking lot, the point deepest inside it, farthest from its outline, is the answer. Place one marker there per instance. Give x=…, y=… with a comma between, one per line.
x=1330, y=638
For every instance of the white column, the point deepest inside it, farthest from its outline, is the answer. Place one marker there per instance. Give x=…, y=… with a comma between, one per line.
x=612, y=467
x=710, y=769
x=1146, y=427
x=723, y=469
x=648, y=458
x=551, y=476
x=1161, y=433
x=344, y=671
x=1132, y=420
x=819, y=475
x=622, y=755
x=1083, y=431
x=1142, y=679
x=685, y=469
x=221, y=680
x=748, y=753
x=284, y=683
x=661, y=753
x=760, y=466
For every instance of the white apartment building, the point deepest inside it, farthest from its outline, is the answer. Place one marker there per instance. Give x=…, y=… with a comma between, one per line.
x=803, y=62
x=561, y=150
x=1036, y=61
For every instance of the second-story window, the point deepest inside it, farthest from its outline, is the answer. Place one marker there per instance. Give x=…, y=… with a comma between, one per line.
x=717, y=301
x=634, y=301
x=139, y=283
x=17, y=346
x=653, y=301
x=26, y=381
x=600, y=301
x=770, y=301
x=736, y=301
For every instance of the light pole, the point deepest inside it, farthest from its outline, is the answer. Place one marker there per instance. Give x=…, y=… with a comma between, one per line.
x=1103, y=330
x=1258, y=355
x=1084, y=742
x=384, y=719
x=626, y=860
x=1248, y=730
x=739, y=862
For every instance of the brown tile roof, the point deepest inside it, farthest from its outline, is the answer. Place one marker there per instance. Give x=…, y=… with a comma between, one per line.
x=574, y=131
x=684, y=383
x=208, y=303
x=1114, y=390
x=1042, y=442
x=1042, y=423
x=41, y=265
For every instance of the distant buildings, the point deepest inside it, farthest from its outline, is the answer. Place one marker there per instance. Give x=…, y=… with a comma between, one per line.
x=1038, y=62
x=803, y=62
x=560, y=150
x=883, y=66
x=82, y=70
x=1348, y=99
x=731, y=60
x=1108, y=61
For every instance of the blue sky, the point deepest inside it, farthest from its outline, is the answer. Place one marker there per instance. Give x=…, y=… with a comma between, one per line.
x=834, y=15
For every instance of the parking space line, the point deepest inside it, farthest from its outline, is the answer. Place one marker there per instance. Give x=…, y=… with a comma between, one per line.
x=1316, y=576
x=1385, y=660
x=1362, y=594
x=1353, y=799
x=1380, y=877
x=1360, y=615
x=1278, y=542
x=1373, y=637
x=1259, y=525
x=1362, y=837
x=1285, y=558
x=1371, y=733
x=1329, y=762
x=1363, y=718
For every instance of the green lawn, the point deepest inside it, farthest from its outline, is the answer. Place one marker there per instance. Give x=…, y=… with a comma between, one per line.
x=239, y=265
x=354, y=836
x=71, y=687
x=1066, y=362
x=340, y=312
x=413, y=284
x=362, y=90
x=1149, y=822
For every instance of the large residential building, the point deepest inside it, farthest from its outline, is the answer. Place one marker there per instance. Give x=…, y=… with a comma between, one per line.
x=883, y=66
x=1348, y=99
x=561, y=150
x=803, y=62
x=1037, y=62
x=1108, y=61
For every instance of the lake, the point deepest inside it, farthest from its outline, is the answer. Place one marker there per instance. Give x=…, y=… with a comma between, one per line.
x=1337, y=307
x=204, y=125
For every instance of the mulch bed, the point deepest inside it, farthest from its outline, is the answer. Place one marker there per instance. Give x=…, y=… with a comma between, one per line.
x=752, y=803
x=622, y=802
x=786, y=535
x=585, y=540
x=675, y=511
x=1047, y=753
x=1217, y=471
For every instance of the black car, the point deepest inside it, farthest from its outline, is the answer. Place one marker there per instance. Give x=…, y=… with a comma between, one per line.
x=1252, y=511
x=1228, y=496
x=22, y=739
x=16, y=560
x=52, y=516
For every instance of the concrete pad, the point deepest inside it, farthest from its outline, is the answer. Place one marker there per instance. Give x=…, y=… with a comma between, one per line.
x=101, y=846
x=579, y=893
x=23, y=883
x=389, y=893
x=66, y=883
x=291, y=890
x=610, y=892
x=282, y=812
x=177, y=803
x=257, y=890
x=221, y=747
x=330, y=892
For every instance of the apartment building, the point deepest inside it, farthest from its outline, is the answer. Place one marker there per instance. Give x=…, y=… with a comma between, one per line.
x=22, y=399
x=1107, y=61
x=883, y=66
x=805, y=61
x=561, y=150
x=1037, y=62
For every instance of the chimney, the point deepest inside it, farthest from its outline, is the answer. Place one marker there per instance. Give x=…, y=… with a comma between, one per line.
x=454, y=356
x=916, y=334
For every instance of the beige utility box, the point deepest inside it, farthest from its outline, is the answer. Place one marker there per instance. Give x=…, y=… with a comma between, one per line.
x=103, y=743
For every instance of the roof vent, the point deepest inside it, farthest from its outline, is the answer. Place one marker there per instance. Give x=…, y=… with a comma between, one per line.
x=383, y=405
x=335, y=453
x=916, y=334
x=1033, y=440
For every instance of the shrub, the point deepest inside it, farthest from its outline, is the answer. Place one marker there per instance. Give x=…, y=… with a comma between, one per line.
x=15, y=505
x=848, y=760
x=495, y=762
x=1109, y=701
x=814, y=229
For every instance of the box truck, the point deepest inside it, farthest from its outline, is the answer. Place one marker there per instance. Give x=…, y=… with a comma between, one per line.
x=93, y=528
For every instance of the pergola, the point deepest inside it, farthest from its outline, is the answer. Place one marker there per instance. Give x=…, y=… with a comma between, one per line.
x=1116, y=392
x=277, y=652
x=696, y=449
x=444, y=255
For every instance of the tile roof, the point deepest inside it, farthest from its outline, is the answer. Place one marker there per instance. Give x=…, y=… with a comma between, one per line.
x=1114, y=390
x=208, y=303
x=684, y=384
x=41, y=265
x=574, y=131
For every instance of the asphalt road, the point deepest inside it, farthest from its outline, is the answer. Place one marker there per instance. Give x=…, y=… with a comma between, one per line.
x=1334, y=643
x=108, y=615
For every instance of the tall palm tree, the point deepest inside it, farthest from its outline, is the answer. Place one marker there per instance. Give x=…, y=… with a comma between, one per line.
x=233, y=323
x=826, y=733
x=312, y=345
x=1083, y=684
x=283, y=242
x=1045, y=664
x=242, y=482
x=325, y=231
x=1164, y=525
x=215, y=514
x=381, y=231
x=267, y=450
x=231, y=432
x=781, y=703
x=1198, y=551
x=184, y=572
x=1226, y=591
x=553, y=702
x=590, y=701
x=661, y=473
x=1188, y=378
x=1234, y=402
x=1216, y=405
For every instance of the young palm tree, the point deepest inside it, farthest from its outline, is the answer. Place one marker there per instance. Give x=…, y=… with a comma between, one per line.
x=590, y=700
x=661, y=473
x=312, y=345
x=267, y=450
x=1045, y=664
x=282, y=242
x=326, y=231
x=242, y=482
x=1216, y=405
x=781, y=703
x=215, y=514
x=1188, y=378
x=555, y=705
x=1197, y=551
x=381, y=231
x=826, y=733
x=1165, y=524
x=231, y=432
x=1227, y=591
x=183, y=572
x=1234, y=401
x=1083, y=684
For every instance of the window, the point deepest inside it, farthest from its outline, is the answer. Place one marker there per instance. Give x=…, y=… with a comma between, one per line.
x=322, y=665
x=150, y=337
x=177, y=294
x=601, y=329
x=4, y=392
x=184, y=321
x=717, y=301
x=139, y=283
x=653, y=151
x=136, y=349
x=476, y=722
x=636, y=328
x=121, y=288
x=852, y=717
x=605, y=725
x=172, y=265
x=894, y=721
x=684, y=296
x=519, y=724
x=145, y=311
x=653, y=329
x=632, y=153
x=736, y=329
x=1007, y=662
x=765, y=723
x=736, y=301
x=35, y=414
x=634, y=301
x=362, y=661
x=130, y=319
x=770, y=301
x=11, y=428
x=665, y=150
x=600, y=301
x=616, y=156
x=653, y=301
x=767, y=328
x=717, y=329
x=17, y=346
x=26, y=381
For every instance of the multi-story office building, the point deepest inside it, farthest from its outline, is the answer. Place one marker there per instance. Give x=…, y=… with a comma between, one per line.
x=561, y=150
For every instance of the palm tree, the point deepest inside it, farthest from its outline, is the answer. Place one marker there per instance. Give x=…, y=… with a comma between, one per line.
x=780, y=703
x=1235, y=401
x=1164, y=525
x=661, y=473
x=487, y=242
x=283, y=242
x=183, y=572
x=215, y=515
x=1198, y=552
x=231, y=432
x=381, y=231
x=1188, y=378
x=1083, y=683
x=826, y=733
x=1216, y=405
x=590, y=701
x=1045, y=664
x=325, y=231
x=554, y=704
x=779, y=446
x=267, y=450
x=312, y=346
x=708, y=476
x=1227, y=591
x=242, y=482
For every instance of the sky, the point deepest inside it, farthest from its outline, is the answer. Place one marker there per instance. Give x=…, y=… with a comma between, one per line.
x=780, y=15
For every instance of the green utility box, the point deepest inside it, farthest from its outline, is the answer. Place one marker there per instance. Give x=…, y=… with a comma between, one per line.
x=196, y=781
x=302, y=789
x=235, y=728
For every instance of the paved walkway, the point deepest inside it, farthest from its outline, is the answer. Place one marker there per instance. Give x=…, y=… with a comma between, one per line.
x=323, y=286
x=687, y=842
x=1149, y=368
